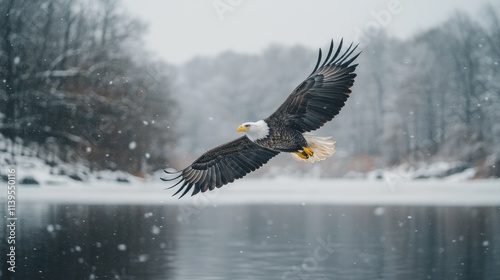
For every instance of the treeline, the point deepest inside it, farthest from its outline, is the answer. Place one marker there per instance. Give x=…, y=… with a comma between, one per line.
x=76, y=83
x=433, y=97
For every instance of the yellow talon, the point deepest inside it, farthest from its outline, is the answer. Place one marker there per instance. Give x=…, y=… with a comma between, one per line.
x=308, y=151
x=302, y=155
x=305, y=153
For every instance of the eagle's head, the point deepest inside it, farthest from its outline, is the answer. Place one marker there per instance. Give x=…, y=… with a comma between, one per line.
x=255, y=130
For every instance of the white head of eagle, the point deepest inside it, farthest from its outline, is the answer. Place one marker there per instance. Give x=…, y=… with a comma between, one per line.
x=255, y=130
x=315, y=101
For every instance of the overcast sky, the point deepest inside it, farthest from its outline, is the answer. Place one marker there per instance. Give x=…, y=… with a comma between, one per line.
x=180, y=30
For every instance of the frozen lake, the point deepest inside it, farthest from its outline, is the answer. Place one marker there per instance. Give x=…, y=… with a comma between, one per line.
x=72, y=233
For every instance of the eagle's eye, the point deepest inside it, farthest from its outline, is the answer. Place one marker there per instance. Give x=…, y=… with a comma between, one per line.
x=247, y=125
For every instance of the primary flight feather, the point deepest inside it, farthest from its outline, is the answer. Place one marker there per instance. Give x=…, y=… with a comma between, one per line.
x=313, y=103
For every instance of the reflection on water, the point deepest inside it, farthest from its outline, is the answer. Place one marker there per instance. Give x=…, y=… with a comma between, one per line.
x=256, y=242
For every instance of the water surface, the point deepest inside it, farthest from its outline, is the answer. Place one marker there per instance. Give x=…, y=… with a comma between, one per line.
x=57, y=241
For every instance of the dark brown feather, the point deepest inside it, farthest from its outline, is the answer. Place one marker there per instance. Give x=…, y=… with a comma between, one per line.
x=321, y=96
x=222, y=165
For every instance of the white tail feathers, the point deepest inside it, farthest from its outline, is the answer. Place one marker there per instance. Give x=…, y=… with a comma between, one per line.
x=321, y=146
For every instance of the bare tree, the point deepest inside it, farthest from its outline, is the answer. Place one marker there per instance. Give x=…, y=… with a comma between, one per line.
x=72, y=86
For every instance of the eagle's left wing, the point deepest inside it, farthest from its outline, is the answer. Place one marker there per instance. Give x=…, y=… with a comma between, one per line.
x=321, y=96
x=222, y=165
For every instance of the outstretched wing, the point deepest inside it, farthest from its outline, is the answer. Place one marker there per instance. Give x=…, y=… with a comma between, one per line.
x=222, y=165
x=321, y=96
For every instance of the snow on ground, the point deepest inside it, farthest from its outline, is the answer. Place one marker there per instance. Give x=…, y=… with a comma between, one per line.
x=445, y=184
x=273, y=191
x=33, y=171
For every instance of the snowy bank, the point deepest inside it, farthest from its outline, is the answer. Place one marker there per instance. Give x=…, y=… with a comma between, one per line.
x=274, y=191
x=38, y=181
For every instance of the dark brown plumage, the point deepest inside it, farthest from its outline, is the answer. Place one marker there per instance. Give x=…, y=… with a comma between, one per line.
x=222, y=165
x=321, y=96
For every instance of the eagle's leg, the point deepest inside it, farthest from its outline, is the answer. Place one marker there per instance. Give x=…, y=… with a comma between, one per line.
x=302, y=155
x=308, y=151
x=305, y=153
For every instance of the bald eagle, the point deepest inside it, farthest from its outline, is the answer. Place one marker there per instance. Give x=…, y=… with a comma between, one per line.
x=313, y=103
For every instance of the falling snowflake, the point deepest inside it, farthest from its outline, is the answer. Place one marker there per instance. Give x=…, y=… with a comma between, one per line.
x=132, y=145
x=155, y=230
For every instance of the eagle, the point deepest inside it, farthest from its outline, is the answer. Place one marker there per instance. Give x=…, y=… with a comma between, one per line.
x=313, y=103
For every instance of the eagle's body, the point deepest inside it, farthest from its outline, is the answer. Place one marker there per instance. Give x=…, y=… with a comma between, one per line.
x=281, y=138
x=314, y=102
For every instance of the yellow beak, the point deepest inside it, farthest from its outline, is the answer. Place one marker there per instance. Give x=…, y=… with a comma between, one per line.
x=241, y=129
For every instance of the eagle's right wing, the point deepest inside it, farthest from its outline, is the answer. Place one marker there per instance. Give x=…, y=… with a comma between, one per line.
x=222, y=165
